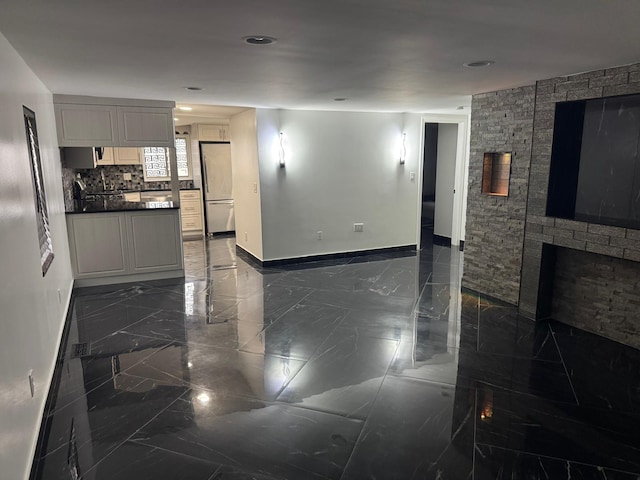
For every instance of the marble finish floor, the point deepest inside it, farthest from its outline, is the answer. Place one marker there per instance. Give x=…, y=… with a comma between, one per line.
x=374, y=367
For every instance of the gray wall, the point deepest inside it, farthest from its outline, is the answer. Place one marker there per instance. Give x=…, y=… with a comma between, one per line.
x=612, y=241
x=500, y=122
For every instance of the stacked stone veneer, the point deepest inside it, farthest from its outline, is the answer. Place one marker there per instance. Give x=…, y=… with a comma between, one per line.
x=505, y=236
x=500, y=122
x=606, y=303
x=540, y=229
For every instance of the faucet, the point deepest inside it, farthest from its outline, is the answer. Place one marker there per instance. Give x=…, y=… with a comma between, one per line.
x=104, y=182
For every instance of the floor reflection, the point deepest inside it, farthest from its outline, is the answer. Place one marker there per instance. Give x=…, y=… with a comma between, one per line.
x=376, y=366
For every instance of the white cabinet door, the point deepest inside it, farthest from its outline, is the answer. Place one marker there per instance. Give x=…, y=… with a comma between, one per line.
x=127, y=156
x=213, y=133
x=108, y=157
x=145, y=127
x=191, y=212
x=98, y=244
x=155, y=243
x=86, y=125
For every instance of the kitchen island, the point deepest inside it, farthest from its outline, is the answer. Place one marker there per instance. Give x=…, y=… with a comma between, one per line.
x=112, y=240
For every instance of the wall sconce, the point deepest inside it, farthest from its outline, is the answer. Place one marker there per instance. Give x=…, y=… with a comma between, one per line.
x=403, y=149
x=281, y=150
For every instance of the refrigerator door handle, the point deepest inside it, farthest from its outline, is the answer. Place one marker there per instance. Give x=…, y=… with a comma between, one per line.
x=206, y=177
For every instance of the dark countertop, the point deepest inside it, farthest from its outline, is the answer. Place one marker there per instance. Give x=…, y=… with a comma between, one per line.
x=107, y=204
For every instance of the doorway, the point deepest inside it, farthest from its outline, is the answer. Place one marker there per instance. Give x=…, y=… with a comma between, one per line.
x=443, y=181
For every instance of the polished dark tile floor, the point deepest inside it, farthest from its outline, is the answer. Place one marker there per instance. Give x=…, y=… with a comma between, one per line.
x=377, y=367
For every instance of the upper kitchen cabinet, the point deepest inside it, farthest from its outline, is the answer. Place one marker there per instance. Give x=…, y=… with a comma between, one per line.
x=107, y=157
x=213, y=133
x=86, y=125
x=91, y=157
x=126, y=156
x=145, y=127
x=119, y=156
x=113, y=122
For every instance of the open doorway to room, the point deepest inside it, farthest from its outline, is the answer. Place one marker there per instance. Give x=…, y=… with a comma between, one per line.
x=429, y=172
x=443, y=182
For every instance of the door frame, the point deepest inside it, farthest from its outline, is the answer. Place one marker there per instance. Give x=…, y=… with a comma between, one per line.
x=461, y=179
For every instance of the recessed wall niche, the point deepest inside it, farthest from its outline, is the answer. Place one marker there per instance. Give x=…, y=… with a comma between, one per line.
x=595, y=164
x=496, y=169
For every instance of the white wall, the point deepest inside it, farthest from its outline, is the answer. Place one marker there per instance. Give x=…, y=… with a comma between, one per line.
x=246, y=182
x=445, y=178
x=32, y=318
x=341, y=168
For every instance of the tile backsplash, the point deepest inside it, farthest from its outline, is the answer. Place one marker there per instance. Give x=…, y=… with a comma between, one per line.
x=113, y=180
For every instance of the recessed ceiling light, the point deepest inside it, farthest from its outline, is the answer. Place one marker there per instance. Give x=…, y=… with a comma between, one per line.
x=479, y=63
x=175, y=119
x=185, y=108
x=339, y=99
x=259, y=40
x=194, y=89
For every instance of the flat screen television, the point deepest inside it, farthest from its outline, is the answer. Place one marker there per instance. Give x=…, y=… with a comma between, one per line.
x=595, y=164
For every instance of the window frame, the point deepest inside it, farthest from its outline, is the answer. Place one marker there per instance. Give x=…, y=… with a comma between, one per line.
x=167, y=154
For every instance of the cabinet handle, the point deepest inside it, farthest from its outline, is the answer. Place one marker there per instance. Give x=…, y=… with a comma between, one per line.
x=204, y=169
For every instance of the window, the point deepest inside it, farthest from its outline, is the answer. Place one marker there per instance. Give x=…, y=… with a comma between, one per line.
x=155, y=161
x=182, y=156
x=40, y=199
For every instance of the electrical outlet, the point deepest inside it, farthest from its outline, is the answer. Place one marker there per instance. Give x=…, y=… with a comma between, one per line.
x=246, y=237
x=126, y=176
x=358, y=227
x=412, y=176
x=319, y=234
x=255, y=188
x=32, y=385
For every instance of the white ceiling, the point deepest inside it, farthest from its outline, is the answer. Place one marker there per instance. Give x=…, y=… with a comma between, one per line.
x=383, y=55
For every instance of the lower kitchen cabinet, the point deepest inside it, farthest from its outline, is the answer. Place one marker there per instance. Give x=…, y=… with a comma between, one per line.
x=154, y=241
x=98, y=244
x=117, y=247
x=191, y=213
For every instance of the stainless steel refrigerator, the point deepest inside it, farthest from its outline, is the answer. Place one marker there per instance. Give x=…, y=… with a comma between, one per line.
x=218, y=187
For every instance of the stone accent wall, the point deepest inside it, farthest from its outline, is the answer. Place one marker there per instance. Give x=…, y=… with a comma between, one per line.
x=505, y=236
x=598, y=293
x=500, y=122
x=612, y=241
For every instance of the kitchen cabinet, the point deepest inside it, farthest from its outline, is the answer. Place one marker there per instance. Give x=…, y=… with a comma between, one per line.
x=119, y=156
x=112, y=122
x=125, y=246
x=98, y=244
x=86, y=125
x=126, y=156
x=213, y=133
x=191, y=213
x=154, y=240
x=108, y=157
x=145, y=127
